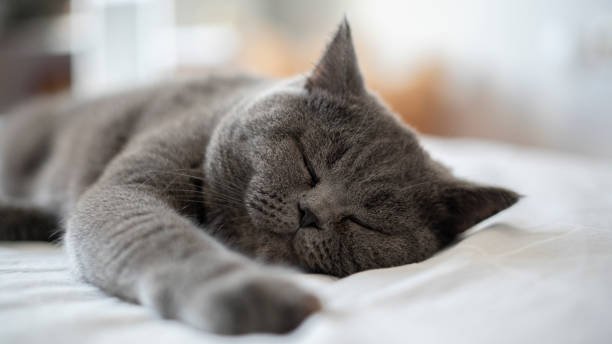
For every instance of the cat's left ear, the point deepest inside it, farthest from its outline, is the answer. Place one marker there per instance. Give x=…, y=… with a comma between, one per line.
x=461, y=205
x=337, y=72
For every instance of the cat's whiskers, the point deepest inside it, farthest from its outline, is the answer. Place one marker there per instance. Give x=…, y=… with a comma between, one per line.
x=213, y=195
x=188, y=192
x=412, y=186
x=216, y=197
x=227, y=186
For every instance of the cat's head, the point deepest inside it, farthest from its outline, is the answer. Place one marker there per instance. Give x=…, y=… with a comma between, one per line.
x=317, y=172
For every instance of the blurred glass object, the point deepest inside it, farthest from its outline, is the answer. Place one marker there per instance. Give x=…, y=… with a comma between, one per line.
x=120, y=44
x=529, y=72
x=30, y=62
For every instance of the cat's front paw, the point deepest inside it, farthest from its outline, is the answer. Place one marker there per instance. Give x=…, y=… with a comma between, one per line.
x=251, y=303
x=241, y=300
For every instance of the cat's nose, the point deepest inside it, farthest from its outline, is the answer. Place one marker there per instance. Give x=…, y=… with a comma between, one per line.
x=308, y=218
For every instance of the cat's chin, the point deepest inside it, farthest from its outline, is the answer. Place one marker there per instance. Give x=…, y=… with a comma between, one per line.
x=273, y=248
x=312, y=250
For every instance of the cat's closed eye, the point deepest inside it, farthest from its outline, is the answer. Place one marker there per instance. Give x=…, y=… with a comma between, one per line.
x=362, y=224
x=314, y=178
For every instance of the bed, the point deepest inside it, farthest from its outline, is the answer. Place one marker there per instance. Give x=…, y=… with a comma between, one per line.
x=540, y=272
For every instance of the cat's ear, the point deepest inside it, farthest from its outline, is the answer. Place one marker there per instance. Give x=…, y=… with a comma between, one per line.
x=337, y=72
x=461, y=205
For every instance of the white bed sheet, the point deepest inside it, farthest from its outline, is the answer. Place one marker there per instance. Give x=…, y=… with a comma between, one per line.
x=540, y=272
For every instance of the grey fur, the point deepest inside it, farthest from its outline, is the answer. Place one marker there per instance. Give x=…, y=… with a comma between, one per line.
x=167, y=191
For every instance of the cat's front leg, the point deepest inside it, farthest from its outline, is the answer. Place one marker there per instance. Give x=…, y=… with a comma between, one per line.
x=129, y=242
x=229, y=298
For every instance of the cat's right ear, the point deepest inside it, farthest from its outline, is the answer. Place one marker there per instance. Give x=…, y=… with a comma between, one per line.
x=461, y=205
x=337, y=72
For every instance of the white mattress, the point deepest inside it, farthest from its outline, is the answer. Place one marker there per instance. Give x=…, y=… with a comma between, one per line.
x=540, y=272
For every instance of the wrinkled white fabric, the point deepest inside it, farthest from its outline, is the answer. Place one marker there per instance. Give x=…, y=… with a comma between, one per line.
x=540, y=272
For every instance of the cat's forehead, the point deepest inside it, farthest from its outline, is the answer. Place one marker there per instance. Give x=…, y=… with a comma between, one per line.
x=359, y=132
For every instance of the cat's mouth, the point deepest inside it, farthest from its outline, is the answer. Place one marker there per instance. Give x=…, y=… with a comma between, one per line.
x=306, y=247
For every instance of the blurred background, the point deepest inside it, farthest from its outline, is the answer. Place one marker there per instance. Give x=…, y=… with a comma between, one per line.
x=532, y=72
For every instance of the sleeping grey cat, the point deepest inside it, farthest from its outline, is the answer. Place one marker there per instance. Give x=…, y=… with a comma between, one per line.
x=167, y=194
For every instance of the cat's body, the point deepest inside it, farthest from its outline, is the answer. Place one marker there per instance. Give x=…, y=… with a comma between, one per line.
x=55, y=148
x=68, y=145
x=160, y=187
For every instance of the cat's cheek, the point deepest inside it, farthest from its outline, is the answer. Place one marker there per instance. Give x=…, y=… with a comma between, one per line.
x=276, y=220
x=317, y=250
x=382, y=251
x=304, y=247
x=273, y=249
x=271, y=206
